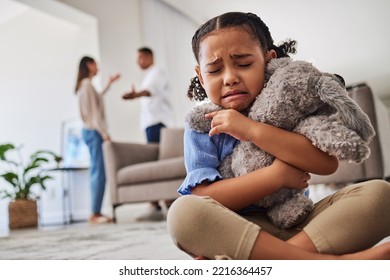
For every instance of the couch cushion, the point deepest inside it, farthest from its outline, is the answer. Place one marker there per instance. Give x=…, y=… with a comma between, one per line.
x=160, y=170
x=171, y=143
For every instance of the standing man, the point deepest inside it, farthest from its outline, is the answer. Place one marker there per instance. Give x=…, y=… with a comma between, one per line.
x=156, y=111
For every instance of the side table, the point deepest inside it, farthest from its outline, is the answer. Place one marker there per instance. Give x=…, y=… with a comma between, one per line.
x=66, y=190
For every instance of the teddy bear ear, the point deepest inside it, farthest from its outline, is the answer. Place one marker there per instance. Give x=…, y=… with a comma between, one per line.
x=333, y=93
x=341, y=79
x=275, y=64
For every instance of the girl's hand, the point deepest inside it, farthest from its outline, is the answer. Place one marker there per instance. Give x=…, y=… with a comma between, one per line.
x=290, y=176
x=231, y=122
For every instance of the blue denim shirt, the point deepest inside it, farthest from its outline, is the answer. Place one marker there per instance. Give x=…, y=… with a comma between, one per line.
x=203, y=155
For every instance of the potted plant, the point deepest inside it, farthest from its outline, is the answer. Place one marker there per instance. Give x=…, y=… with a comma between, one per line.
x=22, y=177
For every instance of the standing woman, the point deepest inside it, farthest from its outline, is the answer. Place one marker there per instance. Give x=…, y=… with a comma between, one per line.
x=94, y=131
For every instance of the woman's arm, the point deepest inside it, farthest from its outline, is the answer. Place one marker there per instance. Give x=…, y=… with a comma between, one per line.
x=293, y=148
x=237, y=193
x=111, y=80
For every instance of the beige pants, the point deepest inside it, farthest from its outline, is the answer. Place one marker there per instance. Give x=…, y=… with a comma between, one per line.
x=352, y=219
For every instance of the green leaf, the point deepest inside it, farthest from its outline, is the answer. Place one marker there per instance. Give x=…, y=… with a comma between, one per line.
x=37, y=180
x=4, y=148
x=6, y=194
x=11, y=178
x=35, y=163
x=57, y=158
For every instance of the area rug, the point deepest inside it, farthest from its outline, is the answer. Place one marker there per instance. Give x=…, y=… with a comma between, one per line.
x=130, y=241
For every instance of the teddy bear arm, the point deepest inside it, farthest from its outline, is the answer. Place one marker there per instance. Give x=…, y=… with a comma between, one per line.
x=196, y=119
x=291, y=211
x=275, y=198
x=332, y=137
x=225, y=167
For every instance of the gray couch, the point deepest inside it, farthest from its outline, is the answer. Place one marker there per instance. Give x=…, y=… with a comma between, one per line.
x=377, y=166
x=145, y=172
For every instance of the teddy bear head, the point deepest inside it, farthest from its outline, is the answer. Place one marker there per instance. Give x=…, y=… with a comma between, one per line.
x=295, y=90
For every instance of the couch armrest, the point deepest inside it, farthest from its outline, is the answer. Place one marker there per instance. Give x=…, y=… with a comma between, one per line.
x=118, y=155
x=171, y=143
x=383, y=132
x=121, y=154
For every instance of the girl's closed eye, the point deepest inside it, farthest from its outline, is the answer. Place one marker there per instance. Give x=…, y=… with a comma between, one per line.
x=212, y=71
x=244, y=62
x=239, y=64
x=243, y=65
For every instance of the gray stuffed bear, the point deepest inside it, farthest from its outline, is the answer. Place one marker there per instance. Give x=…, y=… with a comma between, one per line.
x=297, y=97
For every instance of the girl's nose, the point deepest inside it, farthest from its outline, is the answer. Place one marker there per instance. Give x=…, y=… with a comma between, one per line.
x=231, y=77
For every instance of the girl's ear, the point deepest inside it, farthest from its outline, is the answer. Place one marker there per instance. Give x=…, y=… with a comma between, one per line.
x=271, y=54
x=199, y=74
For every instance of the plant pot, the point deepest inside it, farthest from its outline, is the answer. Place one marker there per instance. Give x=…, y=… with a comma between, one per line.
x=22, y=213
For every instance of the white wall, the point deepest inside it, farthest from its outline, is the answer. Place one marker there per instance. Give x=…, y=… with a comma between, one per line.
x=41, y=45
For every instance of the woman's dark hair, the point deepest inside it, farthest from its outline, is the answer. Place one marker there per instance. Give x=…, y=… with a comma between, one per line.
x=83, y=70
x=253, y=24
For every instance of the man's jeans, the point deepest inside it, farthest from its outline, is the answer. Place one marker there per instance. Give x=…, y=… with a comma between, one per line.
x=153, y=133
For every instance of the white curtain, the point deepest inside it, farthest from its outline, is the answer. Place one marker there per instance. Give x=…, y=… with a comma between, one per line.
x=168, y=33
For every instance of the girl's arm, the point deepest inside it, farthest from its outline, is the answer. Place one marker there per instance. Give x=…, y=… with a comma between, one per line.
x=293, y=148
x=237, y=193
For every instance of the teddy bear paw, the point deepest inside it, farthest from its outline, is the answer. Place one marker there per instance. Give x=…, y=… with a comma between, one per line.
x=291, y=212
